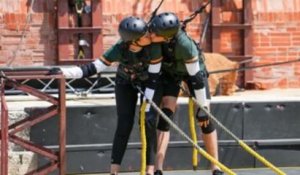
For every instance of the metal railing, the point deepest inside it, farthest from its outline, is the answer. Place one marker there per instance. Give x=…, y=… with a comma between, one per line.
x=97, y=84
x=10, y=78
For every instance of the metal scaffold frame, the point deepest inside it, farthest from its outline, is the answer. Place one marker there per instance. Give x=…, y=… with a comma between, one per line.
x=100, y=83
x=8, y=130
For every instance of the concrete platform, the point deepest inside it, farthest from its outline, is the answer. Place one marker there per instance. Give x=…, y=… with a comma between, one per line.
x=19, y=102
x=16, y=104
x=258, y=171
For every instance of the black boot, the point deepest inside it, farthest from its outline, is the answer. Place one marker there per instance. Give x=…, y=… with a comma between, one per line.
x=158, y=172
x=218, y=172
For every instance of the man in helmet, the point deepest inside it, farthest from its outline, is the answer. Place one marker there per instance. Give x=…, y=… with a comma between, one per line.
x=139, y=64
x=182, y=61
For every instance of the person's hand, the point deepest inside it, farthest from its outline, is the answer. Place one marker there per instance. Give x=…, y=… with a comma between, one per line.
x=148, y=105
x=55, y=71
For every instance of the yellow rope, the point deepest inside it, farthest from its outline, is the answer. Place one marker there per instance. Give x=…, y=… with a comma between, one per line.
x=174, y=126
x=193, y=133
x=216, y=162
x=259, y=157
x=201, y=151
x=143, y=138
x=241, y=143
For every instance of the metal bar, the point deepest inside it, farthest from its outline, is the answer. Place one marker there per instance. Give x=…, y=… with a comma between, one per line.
x=21, y=76
x=93, y=85
x=97, y=46
x=74, y=62
x=76, y=30
x=47, y=169
x=62, y=126
x=44, y=69
x=47, y=85
x=68, y=84
x=8, y=78
x=233, y=26
x=63, y=37
x=32, y=120
x=248, y=37
x=32, y=91
x=34, y=148
x=215, y=32
x=25, y=71
x=31, y=117
x=4, y=131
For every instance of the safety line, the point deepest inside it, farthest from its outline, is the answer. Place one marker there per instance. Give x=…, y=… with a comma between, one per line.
x=28, y=18
x=173, y=125
x=143, y=138
x=253, y=67
x=193, y=133
x=241, y=143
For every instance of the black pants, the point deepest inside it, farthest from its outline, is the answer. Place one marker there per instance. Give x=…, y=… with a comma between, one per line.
x=170, y=86
x=126, y=100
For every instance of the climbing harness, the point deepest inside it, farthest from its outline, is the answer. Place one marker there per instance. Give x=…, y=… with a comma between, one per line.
x=134, y=69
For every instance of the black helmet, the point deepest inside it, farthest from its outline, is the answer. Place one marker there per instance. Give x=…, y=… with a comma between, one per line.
x=165, y=24
x=132, y=28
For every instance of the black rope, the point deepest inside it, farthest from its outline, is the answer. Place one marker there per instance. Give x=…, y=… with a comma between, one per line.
x=193, y=15
x=204, y=30
x=253, y=67
x=153, y=14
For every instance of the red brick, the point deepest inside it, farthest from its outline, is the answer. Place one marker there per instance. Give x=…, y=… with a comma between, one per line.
x=264, y=44
x=283, y=83
x=294, y=84
x=265, y=85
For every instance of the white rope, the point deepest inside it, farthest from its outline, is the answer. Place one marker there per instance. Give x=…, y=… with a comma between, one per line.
x=28, y=19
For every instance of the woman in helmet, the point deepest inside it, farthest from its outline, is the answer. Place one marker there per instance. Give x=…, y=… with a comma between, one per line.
x=139, y=64
x=182, y=61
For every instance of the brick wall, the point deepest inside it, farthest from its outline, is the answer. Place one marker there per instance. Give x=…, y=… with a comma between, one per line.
x=275, y=29
x=277, y=38
x=38, y=47
x=113, y=12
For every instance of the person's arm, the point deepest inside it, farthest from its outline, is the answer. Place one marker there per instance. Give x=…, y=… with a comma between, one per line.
x=154, y=72
x=85, y=70
x=197, y=77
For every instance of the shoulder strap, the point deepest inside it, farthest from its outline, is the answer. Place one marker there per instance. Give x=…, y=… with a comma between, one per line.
x=168, y=50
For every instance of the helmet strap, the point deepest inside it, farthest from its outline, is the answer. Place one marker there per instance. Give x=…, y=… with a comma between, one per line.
x=136, y=43
x=135, y=47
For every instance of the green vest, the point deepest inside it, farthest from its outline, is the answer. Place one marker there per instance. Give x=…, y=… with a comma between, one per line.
x=178, y=51
x=132, y=62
